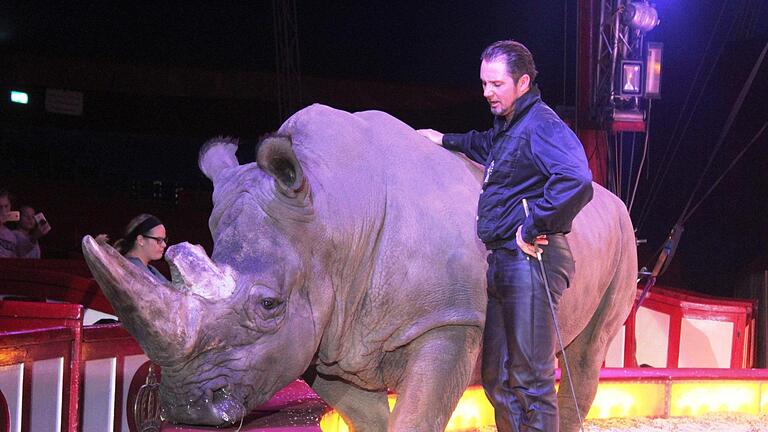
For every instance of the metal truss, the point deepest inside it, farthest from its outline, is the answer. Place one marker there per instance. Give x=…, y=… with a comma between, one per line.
x=616, y=42
x=287, y=57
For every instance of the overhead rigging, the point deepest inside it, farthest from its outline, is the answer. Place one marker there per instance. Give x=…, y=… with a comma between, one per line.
x=667, y=250
x=287, y=57
x=624, y=77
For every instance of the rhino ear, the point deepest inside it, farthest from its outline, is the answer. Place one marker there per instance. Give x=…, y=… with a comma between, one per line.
x=216, y=155
x=275, y=156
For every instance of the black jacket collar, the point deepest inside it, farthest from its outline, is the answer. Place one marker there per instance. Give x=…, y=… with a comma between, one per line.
x=522, y=105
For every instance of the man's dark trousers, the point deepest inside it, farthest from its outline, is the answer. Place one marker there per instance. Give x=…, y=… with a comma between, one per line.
x=519, y=341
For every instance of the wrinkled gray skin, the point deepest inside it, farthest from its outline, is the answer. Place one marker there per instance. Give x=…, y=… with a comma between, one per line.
x=349, y=250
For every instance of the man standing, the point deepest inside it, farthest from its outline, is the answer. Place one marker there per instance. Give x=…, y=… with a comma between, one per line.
x=528, y=154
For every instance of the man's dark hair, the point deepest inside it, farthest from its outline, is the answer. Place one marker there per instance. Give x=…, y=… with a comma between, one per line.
x=4, y=192
x=519, y=60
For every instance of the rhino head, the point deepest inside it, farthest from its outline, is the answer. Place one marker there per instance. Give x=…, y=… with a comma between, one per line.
x=230, y=331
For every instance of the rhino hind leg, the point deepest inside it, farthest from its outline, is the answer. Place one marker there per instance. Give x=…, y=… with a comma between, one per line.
x=437, y=370
x=586, y=355
x=584, y=359
x=362, y=410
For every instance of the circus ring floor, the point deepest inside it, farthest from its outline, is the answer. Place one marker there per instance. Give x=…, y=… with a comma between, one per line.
x=639, y=399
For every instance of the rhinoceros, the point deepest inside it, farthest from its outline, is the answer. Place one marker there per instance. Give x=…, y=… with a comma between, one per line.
x=348, y=250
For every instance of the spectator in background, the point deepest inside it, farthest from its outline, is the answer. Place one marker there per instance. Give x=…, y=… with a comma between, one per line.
x=29, y=232
x=144, y=240
x=7, y=238
x=10, y=247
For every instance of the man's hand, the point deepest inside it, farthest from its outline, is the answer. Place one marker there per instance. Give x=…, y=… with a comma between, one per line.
x=530, y=249
x=432, y=135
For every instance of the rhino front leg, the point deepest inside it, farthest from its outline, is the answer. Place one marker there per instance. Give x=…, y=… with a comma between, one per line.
x=438, y=367
x=362, y=410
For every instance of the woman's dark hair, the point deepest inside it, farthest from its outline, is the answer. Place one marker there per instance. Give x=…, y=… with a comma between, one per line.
x=517, y=57
x=139, y=225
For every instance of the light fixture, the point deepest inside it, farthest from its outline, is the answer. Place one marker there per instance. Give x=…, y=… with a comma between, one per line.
x=641, y=16
x=19, y=97
x=653, y=51
x=631, y=78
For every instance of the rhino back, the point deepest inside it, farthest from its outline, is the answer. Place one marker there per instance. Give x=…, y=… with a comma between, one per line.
x=399, y=215
x=602, y=241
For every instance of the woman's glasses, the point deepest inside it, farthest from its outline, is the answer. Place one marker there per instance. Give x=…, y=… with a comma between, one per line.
x=157, y=239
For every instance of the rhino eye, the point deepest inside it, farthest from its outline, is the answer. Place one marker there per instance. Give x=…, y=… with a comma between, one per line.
x=269, y=303
x=264, y=309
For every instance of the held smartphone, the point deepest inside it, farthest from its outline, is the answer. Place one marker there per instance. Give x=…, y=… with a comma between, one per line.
x=40, y=219
x=12, y=216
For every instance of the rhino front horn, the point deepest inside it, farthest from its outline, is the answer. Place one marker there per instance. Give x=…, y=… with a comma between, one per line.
x=162, y=319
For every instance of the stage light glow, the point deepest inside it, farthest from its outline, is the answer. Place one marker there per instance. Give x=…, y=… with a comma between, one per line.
x=764, y=398
x=19, y=97
x=472, y=413
x=697, y=398
x=653, y=54
x=618, y=398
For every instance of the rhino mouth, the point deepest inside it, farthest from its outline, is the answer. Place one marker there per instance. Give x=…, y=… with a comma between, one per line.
x=219, y=408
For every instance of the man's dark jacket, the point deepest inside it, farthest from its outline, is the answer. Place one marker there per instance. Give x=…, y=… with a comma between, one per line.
x=535, y=156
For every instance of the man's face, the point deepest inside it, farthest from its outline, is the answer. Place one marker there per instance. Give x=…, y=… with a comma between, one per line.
x=499, y=88
x=5, y=206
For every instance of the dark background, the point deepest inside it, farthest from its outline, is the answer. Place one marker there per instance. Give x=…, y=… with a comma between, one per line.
x=159, y=79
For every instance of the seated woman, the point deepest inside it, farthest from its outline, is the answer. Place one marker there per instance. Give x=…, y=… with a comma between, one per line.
x=143, y=241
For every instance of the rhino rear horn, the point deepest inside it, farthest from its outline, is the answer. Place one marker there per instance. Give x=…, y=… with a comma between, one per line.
x=276, y=157
x=216, y=155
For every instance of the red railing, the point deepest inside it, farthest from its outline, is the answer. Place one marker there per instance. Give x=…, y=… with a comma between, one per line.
x=34, y=332
x=43, y=281
x=683, y=305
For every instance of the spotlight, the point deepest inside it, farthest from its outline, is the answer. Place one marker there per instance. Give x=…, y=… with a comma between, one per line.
x=641, y=16
x=631, y=78
x=653, y=51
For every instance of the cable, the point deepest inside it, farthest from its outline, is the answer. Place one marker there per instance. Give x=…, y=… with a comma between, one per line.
x=642, y=160
x=565, y=49
x=667, y=161
x=631, y=168
x=685, y=215
x=617, y=161
x=727, y=128
x=719, y=179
